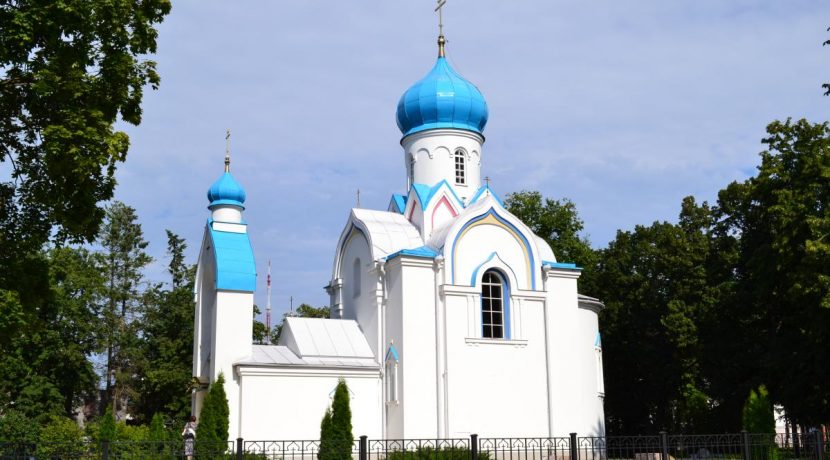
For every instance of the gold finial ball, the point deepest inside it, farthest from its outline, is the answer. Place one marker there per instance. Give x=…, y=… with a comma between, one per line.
x=441, y=43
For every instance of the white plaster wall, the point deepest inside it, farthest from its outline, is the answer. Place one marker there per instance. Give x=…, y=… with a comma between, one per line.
x=564, y=337
x=593, y=422
x=495, y=239
x=364, y=307
x=416, y=348
x=432, y=151
x=289, y=404
x=234, y=329
x=394, y=333
x=496, y=387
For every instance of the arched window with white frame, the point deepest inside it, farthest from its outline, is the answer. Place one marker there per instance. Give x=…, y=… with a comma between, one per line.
x=459, y=157
x=495, y=313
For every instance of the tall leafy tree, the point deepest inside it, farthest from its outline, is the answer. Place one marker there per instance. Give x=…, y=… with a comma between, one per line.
x=167, y=340
x=782, y=217
x=47, y=336
x=71, y=69
x=123, y=259
x=656, y=289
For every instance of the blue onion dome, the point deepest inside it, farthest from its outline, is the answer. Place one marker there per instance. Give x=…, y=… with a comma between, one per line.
x=226, y=190
x=442, y=99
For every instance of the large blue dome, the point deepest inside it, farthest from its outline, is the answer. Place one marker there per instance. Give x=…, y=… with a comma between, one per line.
x=442, y=99
x=226, y=190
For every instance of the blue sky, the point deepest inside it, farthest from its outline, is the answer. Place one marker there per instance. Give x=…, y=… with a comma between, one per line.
x=624, y=107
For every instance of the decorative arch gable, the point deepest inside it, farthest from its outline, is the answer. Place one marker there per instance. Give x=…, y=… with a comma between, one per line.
x=524, y=260
x=441, y=209
x=351, y=232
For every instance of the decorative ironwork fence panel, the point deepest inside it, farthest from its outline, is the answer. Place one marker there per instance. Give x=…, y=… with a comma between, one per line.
x=524, y=448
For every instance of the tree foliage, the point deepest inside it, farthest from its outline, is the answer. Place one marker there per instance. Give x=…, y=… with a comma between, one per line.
x=557, y=222
x=758, y=415
x=782, y=219
x=123, y=260
x=214, y=419
x=166, y=348
x=336, y=438
x=70, y=70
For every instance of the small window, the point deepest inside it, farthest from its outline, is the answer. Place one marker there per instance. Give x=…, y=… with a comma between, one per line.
x=600, y=376
x=411, y=171
x=460, y=173
x=356, y=278
x=493, y=324
x=392, y=375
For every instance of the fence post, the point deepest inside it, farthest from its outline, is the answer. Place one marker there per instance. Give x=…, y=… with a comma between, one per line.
x=745, y=445
x=363, y=453
x=819, y=445
x=574, y=451
x=473, y=446
x=239, y=453
x=664, y=445
x=796, y=440
x=105, y=447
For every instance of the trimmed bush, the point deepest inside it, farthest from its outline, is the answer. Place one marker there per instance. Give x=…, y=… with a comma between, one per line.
x=213, y=421
x=336, y=438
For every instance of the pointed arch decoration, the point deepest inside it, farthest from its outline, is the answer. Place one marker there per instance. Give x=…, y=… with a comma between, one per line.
x=491, y=217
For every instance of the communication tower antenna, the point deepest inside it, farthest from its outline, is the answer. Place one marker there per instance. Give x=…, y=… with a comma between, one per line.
x=268, y=306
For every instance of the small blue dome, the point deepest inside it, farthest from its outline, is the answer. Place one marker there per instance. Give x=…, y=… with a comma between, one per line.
x=226, y=190
x=442, y=99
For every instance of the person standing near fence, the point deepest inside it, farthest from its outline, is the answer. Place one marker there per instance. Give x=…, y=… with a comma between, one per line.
x=189, y=435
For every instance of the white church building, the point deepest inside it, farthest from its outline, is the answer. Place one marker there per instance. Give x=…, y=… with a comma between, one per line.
x=448, y=315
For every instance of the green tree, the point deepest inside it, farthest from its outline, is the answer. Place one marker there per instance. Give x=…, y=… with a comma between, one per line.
x=71, y=69
x=758, y=415
x=559, y=224
x=303, y=311
x=47, y=335
x=657, y=291
x=259, y=329
x=336, y=437
x=106, y=427
x=782, y=218
x=123, y=259
x=167, y=341
x=61, y=438
x=16, y=426
x=214, y=419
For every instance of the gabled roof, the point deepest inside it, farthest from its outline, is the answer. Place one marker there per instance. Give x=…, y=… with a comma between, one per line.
x=397, y=203
x=235, y=266
x=388, y=232
x=425, y=193
x=481, y=192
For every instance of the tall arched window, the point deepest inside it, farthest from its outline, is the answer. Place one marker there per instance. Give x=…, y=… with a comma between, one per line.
x=460, y=171
x=356, y=278
x=494, y=324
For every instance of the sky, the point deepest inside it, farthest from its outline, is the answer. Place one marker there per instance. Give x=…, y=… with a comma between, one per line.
x=623, y=107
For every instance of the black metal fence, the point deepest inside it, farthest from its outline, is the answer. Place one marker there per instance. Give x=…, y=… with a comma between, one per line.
x=740, y=446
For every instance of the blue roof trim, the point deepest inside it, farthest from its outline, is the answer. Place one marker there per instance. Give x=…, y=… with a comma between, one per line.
x=235, y=265
x=481, y=191
x=399, y=201
x=561, y=265
x=504, y=221
x=393, y=352
x=422, y=251
x=426, y=193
